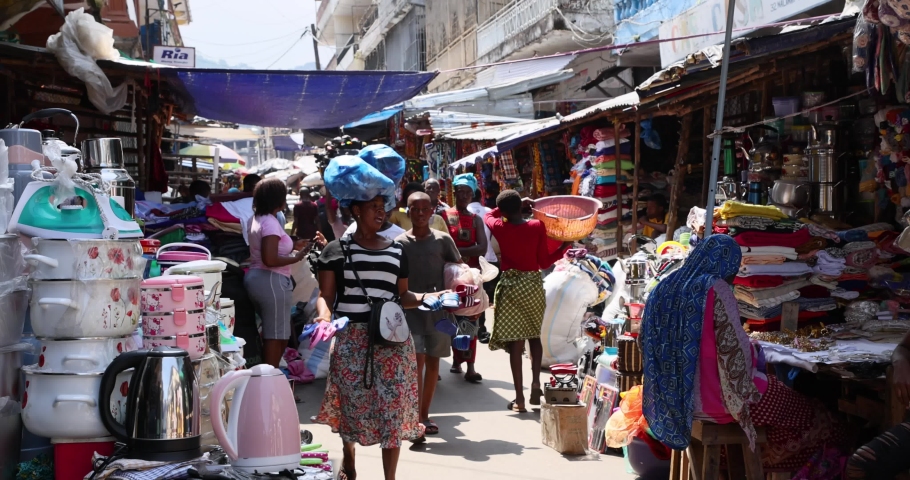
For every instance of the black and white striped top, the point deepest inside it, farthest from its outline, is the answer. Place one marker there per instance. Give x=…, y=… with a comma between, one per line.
x=379, y=271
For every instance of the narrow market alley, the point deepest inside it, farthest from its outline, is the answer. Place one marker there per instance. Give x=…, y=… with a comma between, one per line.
x=478, y=438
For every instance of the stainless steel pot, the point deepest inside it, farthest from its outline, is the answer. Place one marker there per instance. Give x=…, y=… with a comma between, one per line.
x=793, y=212
x=823, y=164
x=98, y=153
x=828, y=197
x=791, y=194
x=636, y=270
x=122, y=186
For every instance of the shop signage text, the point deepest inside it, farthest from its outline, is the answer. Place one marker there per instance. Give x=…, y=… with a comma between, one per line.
x=175, y=56
x=711, y=16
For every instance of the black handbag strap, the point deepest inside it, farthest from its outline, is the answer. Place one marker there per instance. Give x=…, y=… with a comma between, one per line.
x=369, y=370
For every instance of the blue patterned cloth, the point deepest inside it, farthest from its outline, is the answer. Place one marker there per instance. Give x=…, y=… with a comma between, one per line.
x=671, y=337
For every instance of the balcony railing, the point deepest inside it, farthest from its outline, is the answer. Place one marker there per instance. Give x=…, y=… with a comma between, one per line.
x=626, y=9
x=511, y=21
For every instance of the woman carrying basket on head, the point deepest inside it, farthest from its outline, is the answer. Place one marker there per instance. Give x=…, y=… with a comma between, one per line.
x=519, y=299
x=377, y=405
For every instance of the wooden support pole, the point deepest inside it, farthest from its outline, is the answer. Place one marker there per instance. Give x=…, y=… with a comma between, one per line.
x=679, y=173
x=619, y=185
x=706, y=154
x=141, y=142
x=635, y=173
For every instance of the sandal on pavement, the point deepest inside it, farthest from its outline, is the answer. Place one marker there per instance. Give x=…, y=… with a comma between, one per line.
x=455, y=369
x=420, y=441
x=344, y=475
x=515, y=408
x=431, y=427
x=536, y=393
x=473, y=377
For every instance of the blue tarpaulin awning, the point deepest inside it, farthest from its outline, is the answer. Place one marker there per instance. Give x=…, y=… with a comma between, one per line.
x=284, y=143
x=374, y=117
x=297, y=99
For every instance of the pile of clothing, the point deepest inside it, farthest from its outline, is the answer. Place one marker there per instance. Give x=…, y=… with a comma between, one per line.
x=789, y=261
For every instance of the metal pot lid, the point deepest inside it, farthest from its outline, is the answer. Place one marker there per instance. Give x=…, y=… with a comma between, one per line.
x=198, y=266
x=164, y=351
x=33, y=370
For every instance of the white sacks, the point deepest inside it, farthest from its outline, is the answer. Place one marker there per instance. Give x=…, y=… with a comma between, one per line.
x=569, y=293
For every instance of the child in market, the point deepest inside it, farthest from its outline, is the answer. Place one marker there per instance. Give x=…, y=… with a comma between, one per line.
x=655, y=221
x=433, y=249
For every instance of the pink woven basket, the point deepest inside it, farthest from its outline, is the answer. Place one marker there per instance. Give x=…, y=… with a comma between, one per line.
x=568, y=218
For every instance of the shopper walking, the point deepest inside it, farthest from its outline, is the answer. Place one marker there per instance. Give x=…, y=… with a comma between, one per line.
x=268, y=282
x=306, y=216
x=377, y=405
x=433, y=189
x=400, y=215
x=468, y=232
x=434, y=249
x=477, y=208
x=520, y=301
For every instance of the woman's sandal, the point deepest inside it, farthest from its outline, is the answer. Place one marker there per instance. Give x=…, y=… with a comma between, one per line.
x=515, y=408
x=344, y=475
x=455, y=369
x=431, y=427
x=473, y=377
x=536, y=393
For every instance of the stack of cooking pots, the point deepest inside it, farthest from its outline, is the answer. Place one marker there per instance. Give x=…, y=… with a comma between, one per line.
x=13, y=306
x=174, y=314
x=105, y=157
x=84, y=309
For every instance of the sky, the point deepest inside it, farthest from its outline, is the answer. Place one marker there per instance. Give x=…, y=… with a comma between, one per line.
x=242, y=34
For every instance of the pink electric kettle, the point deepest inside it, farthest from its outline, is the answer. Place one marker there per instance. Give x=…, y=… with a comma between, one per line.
x=263, y=429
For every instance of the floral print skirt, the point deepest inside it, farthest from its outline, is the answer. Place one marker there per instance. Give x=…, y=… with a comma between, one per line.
x=385, y=414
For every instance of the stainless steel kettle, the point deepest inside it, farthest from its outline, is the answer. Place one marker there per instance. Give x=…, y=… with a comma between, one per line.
x=163, y=413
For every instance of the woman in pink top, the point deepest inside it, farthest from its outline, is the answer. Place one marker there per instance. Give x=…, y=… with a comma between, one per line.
x=268, y=282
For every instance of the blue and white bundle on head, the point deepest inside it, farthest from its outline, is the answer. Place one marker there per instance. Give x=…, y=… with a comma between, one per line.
x=351, y=179
x=385, y=159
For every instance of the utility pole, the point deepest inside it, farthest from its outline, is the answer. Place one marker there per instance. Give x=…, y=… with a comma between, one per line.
x=315, y=45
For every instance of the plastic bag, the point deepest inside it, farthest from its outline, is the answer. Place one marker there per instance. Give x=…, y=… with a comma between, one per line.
x=64, y=187
x=628, y=421
x=456, y=274
x=77, y=46
x=385, y=159
x=568, y=294
x=649, y=135
x=862, y=38
x=351, y=179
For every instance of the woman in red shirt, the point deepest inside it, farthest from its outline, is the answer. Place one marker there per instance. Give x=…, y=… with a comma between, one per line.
x=519, y=299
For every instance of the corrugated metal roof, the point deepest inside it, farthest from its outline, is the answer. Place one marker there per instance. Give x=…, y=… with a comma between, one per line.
x=501, y=74
x=498, y=132
x=630, y=99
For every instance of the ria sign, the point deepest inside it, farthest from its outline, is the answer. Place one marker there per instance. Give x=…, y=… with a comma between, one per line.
x=175, y=56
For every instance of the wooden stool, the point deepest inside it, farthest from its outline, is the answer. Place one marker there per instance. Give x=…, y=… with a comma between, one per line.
x=701, y=461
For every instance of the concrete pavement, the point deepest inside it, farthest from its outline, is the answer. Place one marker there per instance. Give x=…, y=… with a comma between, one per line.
x=478, y=438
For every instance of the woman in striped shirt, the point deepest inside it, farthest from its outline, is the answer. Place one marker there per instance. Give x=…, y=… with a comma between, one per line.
x=387, y=413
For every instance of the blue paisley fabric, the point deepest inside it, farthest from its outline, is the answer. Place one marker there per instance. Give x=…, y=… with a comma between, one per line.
x=671, y=337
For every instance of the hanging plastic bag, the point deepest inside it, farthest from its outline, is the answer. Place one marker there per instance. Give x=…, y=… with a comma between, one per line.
x=64, y=187
x=649, y=135
x=351, y=179
x=80, y=42
x=862, y=38
x=385, y=159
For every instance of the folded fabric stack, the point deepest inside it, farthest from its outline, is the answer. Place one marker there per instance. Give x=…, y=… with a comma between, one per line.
x=808, y=264
x=598, y=180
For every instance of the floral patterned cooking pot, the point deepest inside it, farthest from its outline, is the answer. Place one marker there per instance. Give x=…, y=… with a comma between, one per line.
x=171, y=293
x=85, y=259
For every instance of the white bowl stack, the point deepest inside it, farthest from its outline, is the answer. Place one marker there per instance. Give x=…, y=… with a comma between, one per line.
x=84, y=309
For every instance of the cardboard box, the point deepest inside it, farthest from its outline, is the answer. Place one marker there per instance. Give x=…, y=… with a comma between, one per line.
x=564, y=428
